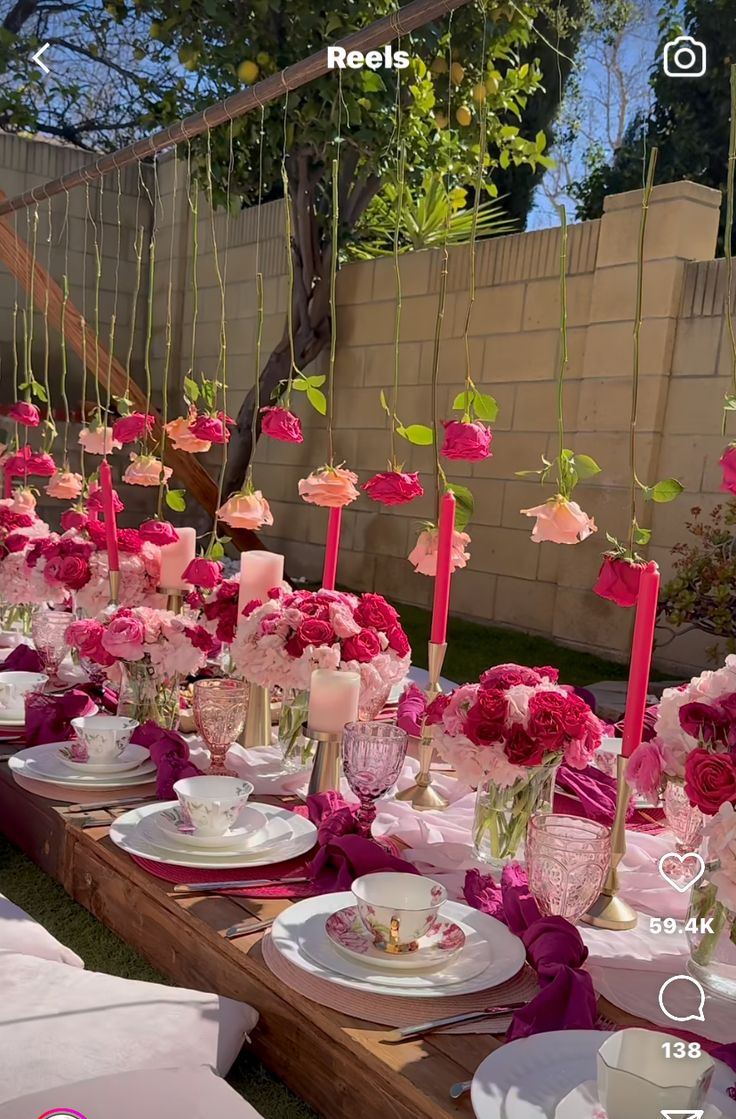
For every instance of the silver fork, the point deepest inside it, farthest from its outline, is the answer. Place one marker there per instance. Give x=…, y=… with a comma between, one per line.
x=459, y=1089
x=245, y=928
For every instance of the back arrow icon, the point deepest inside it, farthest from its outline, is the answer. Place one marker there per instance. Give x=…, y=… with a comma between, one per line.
x=683, y=1114
x=37, y=57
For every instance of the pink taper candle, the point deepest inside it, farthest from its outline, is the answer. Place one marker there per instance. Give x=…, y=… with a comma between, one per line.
x=441, y=604
x=329, y=572
x=108, y=511
x=7, y=483
x=641, y=658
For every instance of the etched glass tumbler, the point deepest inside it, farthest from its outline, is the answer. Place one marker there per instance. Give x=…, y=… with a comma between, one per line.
x=220, y=707
x=372, y=757
x=567, y=862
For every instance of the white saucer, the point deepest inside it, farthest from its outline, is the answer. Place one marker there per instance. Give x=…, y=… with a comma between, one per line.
x=583, y=1103
x=16, y=720
x=132, y=757
x=42, y=763
x=347, y=932
x=165, y=826
x=528, y=1078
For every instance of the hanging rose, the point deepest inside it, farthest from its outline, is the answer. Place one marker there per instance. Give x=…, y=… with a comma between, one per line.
x=728, y=464
x=619, y=578
x=180, y=435
x=466, y=441
x=146, y=470
x=23, y=501
x=560, y=521
x=65, y=485
x=211, y=427
x=129, y=429
x=73, y=519
x=25, y=413
x=329, y=487
x=158, y=532
x=94, y=500
x=99, y=440
x=25, y=461
x=203, y=573
x=247, y=509
x=280, y=423
x=424, y=553
x=393, y=487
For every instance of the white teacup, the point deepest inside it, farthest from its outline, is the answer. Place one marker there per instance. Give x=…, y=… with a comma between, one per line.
x=102, y=738
x=14, y=686
x=398, y=909
x=635, y=1077
x=211, y=805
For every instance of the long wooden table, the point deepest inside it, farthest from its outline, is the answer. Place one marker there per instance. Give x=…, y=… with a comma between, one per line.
x=341, y=1066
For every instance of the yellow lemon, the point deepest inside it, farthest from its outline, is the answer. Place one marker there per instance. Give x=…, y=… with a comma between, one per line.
x=440, y=119
x=479, y=93
x=263, y=58
x=155, y=31
x=491, y=84
x=439, y=66
x=191, y=63
x=463, y=116
x=247, y=72
x=457, y=73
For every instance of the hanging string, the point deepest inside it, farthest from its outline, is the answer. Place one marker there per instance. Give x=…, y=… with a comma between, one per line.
x=29, y=310
x=50, y=430
x=728, y=248
x=221, y=371
x=401, y=157
x=193, y=202
x=64, y=361
x=85, y=248
x=334, y=247
x=16, y=363
x=98, y=277
x=293, y=368
x=167, y=343
x=154, y=200
x=138, y=240
x=259, y=311
x=116, y=290
x=478, y=187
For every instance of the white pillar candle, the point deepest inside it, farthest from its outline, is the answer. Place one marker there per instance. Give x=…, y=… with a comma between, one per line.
x=333, y=700
x=176, y=557
x=259, y=572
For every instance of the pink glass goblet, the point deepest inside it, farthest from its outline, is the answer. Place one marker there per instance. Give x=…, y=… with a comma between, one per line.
x=220, y=708
x=567, y=862
x=372, y=756
x=687, y=824
x=48, y=631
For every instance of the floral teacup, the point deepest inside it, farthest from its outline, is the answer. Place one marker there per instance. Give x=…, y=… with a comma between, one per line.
x=102, y=738
x=14, y=686
x=211, y=805
x=398, y=909
x=636, y=1077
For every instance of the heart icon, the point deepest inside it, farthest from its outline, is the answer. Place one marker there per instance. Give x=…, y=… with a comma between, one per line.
x=677, y=883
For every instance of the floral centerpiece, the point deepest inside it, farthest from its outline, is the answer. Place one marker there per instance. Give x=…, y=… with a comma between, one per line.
x=154, y=649
x=506, y=736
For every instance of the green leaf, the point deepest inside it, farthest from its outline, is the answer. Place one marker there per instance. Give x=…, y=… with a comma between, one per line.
x=641, y=535
x=665, y=491
x=372, y=82
x=317, y=381
x=419, y=434
x=485, y=406
x=175, y=500
x=464, y=507
x=317, y=399
x=217, y=551
x=191, y=389
x=384, y=403
x=730, y=405
x=463, y=400
x=585, y=466
x=334, y=22
x=528, y=473
x=300, y=384
x=39, y=392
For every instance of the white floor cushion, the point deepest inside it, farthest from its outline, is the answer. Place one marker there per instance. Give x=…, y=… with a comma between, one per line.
x=60, y=1024
x=20, y=933
x=194, y=1093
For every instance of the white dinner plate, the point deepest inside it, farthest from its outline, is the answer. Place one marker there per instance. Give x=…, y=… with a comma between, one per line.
x=162, y=829
x=528, y=1078
x=132, y=757
x=42, y=763
x=286, y=836
x=8, y=722
x=491, y=954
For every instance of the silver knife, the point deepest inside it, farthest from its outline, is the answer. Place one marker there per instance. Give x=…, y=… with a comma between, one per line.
x=246, y=928
x=99, y=805
x=455, y=1020
x=214, y=887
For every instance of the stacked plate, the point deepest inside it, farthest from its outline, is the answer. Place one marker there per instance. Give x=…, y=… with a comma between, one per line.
x=54, y=763
x=262, y=835
x=469, y=951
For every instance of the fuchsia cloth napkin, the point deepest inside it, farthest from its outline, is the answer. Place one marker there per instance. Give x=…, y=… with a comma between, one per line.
x=343, y=855
x=52, y=722
x=594, y=794
x=170, y=754
x=22, y=659
x=554, y=948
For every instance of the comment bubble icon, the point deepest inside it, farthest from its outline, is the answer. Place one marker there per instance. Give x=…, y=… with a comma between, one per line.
x=680, y=997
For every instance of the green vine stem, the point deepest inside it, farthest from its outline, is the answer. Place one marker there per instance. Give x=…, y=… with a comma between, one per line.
x=728, y=248
x=167, y=348
x=564, y=353
x=219, y=272
x=333, y=305
x=397, y=274
x=193, y=200
x=64, y=358
x=50, y=431
x=478, y=188
x=153, y=200
x=259, y=308
x=28, y=313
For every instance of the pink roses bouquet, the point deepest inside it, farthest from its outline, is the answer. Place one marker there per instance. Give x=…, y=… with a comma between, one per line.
x=280, y=641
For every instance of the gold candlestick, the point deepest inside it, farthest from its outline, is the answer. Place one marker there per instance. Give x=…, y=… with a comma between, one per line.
x=257, y=730
x=423, y=795
x=114, y=589
x=174, y=598
x=610, y=911
x=325, y=773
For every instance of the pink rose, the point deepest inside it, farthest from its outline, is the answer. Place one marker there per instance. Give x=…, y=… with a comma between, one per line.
x=424, y=553
x=158, y=532
x=26, y=414
x=146, y=470
x=546, y=719
x=180, y=434
x=560, y=521
x=213, y=429
x=203, y=573
x=464, y=440
x=343, y=622
x=99, y=440
x=644, y=769
x=618, y=580
x=73, y=519
x=71, y=571
x=710, y=780
x=86, y=637
x=393, y=487
x=375, y=612
x=94, y=500
x=331, y=487
x=436, y=709
x=65, y=485
x=363, y=647
x=509, y=675
x=25, y=461
x=124, y=637
x=246, y=510
x=280, y=423
x=728, y=463
x=398, y=641
x=129, y=429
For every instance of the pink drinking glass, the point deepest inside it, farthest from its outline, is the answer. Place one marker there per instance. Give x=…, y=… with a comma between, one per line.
x=48, y=630
x=220, y=708
x=372, y=757
x=567, y=862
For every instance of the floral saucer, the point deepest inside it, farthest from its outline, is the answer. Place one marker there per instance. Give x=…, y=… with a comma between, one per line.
x=132, y=757
x=249, y=826
x=583, y=1103
x=348, y=933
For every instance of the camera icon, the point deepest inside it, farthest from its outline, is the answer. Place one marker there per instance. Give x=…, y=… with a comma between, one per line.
x=684, y=57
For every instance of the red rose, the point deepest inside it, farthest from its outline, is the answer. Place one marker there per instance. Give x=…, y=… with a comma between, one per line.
x=508, y=675
x=393, y=487
x=521, y=749
x=480, y=728
x=16, y=542
x=398, y=641
x=363, y=647
x=211, y=428
x=280, y=423
x=158, y=532
x=10, y=520
x=547, y=673
x=710, y=780
x=203, y=573
x=129, y=429
x=94, y=501
x=98, y=533
x=728, y=463
x=314, y=631
x=25, y=461
x=547, y=718
x=249, y=607
x=464, y=440
x=374, y=611
x=129, y=540
x=494, y=705
x=26, y=414
x=71, y=571
x=85, y=636
x=575, y=717
x=618, y=580
x=201, y=639
x=45, y=548
x=436, y=709
x=73, y=519
x=705, y=722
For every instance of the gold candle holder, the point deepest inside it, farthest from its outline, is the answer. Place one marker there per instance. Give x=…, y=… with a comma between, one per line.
x=422, y=795
x=174, y=598
x=325, y=773
x=257, y=731
x=114, y=589
x=610, y=911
